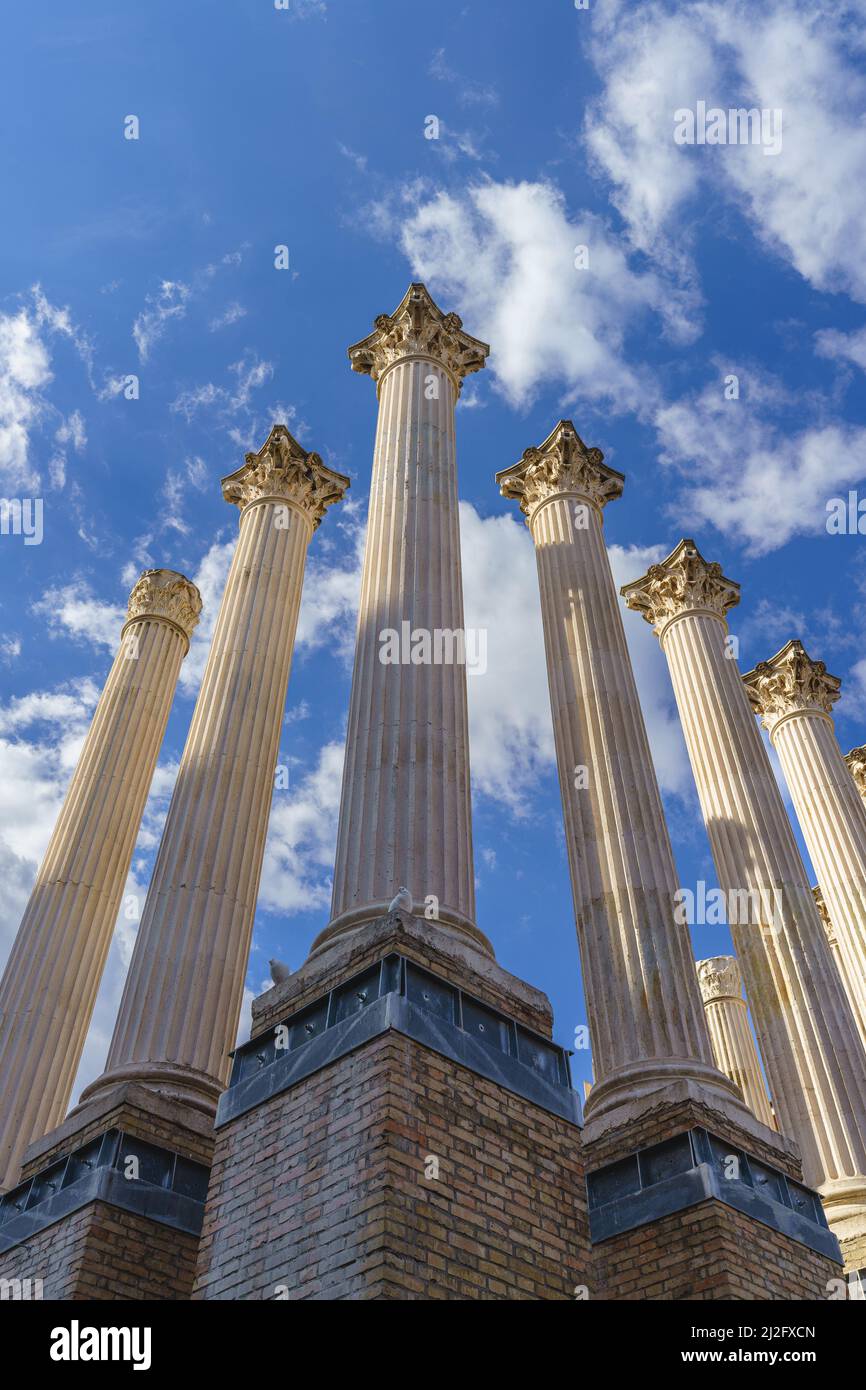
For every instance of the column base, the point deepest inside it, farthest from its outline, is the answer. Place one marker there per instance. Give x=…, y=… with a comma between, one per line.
x=360, y=919
x=844, y=1202
x=111, y=1203
x=194, y=1089
x=685, y=1204
x=615, y=1099
x=448, y=952
x=427, y=1138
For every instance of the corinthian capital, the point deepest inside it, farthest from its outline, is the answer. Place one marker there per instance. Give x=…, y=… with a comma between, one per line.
x=856, y=761
x=790, y=683
x=719, y=978
x=283, y=470
x=562, y=464
x=168, y=595
x=683, y=583
x=824, y=915
x=418, y=328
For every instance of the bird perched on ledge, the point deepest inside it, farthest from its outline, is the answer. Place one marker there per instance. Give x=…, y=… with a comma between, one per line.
x=402, y=902
x=279, y=972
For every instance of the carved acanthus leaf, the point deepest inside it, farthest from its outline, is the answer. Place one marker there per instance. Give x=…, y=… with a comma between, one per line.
x=685, y=582
x=824, y=914
x=562, y=464
x=856, y=761
x=719, y=978
x=283, y=470
x=418, y=328
x=163, y=593
x=790, y=683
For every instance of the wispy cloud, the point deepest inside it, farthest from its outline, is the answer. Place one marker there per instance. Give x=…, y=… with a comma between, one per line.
x=231, y=314
x=159, y=310
x=469, y=93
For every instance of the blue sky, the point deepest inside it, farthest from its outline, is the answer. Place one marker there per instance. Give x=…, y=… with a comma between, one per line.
x=261, y=127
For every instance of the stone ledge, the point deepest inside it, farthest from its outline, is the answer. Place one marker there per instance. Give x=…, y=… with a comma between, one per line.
x=453, y=958
x=681, y=1106
x=394, y=993
x=92, y=1174
x=137, y=1111
x=687, y=1169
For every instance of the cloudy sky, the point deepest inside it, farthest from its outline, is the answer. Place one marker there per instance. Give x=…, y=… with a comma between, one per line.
x=307, y=127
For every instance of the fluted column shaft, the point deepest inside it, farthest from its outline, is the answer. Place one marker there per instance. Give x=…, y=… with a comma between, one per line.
x=51, y=980
x=812, y=1052
x=851, y=986
x=179, y=1013
x=405, y=812
x=730, y=1035
x=644, y=1008
x=794, y=696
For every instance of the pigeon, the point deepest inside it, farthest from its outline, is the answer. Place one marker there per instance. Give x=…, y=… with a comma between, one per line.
x=279, y=971
x=402, y=902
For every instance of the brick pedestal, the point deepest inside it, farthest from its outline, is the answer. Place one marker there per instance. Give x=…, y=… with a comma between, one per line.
x=414, y=1138
x=684, y=1204
x=111, y=1202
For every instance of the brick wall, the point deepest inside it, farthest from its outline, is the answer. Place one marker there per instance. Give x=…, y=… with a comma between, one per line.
x=101, y=1252
x=322, y=1190
x=709, y=1251
x=713, y=1252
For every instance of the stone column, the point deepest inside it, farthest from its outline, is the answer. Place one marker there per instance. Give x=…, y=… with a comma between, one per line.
x=728, y=1022
x=51, y=980
x=794, y=696
x=856, y=761
x=644, y=1008
x=815, y=1063
x=405, y=814
x=179, y=1013
x=848, y=983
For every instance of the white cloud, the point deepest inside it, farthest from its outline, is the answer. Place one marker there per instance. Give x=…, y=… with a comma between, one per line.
x=247, y=425
x=302, y=837
x=332, y=588
x=469, y=93
x=73, y=610
x=197, y=473
x=73, y=431
x=842, y=347
x=359, y=160
x=230, y=315
x=505, y=254
x=808, y=202
x=510, y=731
x=24, y=371
x=744, y=475
x=36, y=771
x=160, y=309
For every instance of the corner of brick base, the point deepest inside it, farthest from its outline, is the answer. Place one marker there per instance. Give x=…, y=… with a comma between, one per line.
x=395, y=1173
x=88, y=1247
x=101, y=1252
x=709, y=1250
